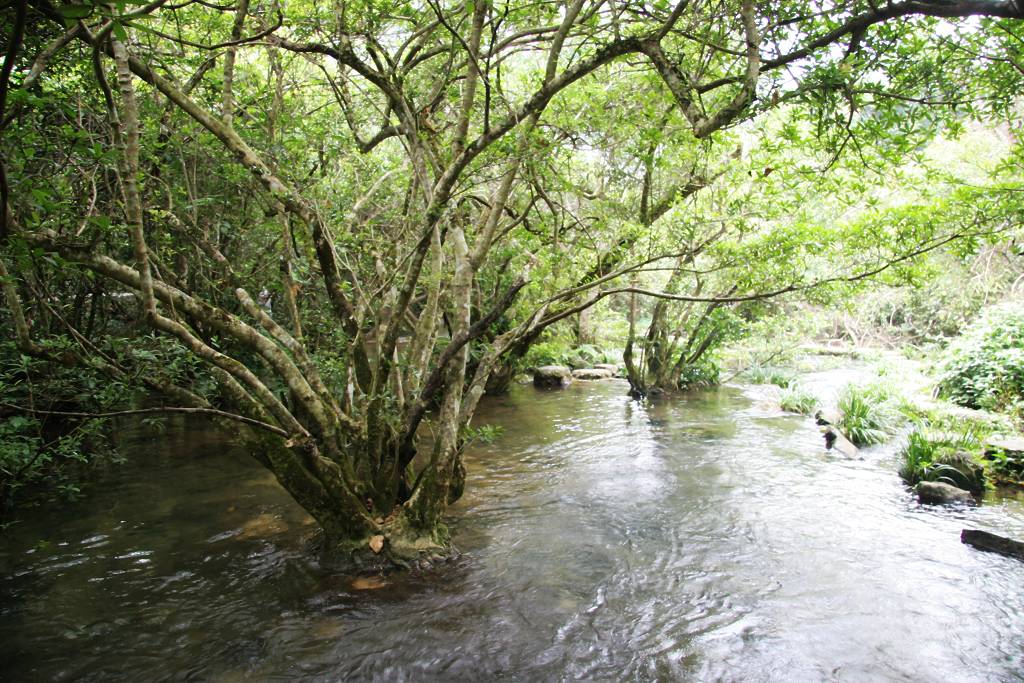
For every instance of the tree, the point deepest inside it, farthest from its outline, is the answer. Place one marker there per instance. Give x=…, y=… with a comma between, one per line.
x=392, y=166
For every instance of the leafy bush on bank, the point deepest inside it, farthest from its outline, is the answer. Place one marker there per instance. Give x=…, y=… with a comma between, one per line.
x=556, y=352
x=38, y=449
x=703, y=373
x=984, y=368
x=46, y=456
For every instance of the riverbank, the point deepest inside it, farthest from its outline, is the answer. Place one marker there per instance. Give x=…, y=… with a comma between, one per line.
x=896, y=400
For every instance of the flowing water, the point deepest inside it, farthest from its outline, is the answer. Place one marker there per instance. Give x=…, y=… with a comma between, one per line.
x=706, y=537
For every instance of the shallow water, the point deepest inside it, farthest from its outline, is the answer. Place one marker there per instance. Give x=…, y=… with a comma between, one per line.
x=707, y=537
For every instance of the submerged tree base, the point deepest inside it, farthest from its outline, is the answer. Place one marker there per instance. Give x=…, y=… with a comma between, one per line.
x=399, y=550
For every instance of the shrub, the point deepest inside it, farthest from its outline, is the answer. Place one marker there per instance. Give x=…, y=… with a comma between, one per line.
x=780, y=377
x=45, y=456
x=586, y=355
x=44, y=452
x=1006, y=466
x=868, y=413
x=557, y=352
x=984, y=368
x=950, y=457
x=703, y=373
x=545, y=353
x=798, y=400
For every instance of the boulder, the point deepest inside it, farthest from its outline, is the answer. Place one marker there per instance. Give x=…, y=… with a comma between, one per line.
x=592, y=373
x=612, y=367
x=552, y=377
x=941, y=493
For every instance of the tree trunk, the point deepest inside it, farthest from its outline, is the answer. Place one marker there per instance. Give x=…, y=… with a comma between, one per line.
x=585, y=333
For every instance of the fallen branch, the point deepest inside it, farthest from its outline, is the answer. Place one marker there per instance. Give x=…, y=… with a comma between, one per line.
x=982, y=540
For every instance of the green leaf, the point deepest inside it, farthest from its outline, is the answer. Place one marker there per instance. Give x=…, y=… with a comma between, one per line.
x=75, y=11
x=119, y=32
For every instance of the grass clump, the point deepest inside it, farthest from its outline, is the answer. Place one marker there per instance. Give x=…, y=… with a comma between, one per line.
x=796, y=399
x=868, y=413
x=940, y=419
x=780, y=377
x=950, y=457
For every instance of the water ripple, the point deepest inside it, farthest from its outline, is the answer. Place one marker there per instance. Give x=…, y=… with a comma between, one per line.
x=707, y=537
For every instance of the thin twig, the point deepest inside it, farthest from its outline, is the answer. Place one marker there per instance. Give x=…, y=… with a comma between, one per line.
x=151, y=411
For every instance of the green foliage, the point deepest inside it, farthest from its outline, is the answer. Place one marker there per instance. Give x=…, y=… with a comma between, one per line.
x=780, y=377
x=556, y=352
x=945, y=420
x=28, y=457
x=607, y=176
x=772, y=340
x=40, y=451
x=1005, y=466
x=587, y=355
x=945, y=456
x=951, y=292
x=703, y=373
x=51, y=455
x=484, y=434
x=868, y=414
x=984, y=368
x=545, y=353
x=796, y=399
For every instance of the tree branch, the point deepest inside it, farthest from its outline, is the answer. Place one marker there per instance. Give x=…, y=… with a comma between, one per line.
x=213, y=412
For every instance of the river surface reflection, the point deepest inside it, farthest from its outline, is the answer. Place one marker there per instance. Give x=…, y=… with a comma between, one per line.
x=705, y=537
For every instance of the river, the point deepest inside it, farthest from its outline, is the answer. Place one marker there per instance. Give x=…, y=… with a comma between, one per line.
x=706, y=537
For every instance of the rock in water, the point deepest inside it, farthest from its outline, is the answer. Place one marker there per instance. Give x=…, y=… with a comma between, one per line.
x=982, y=540
x=263, y=526
x=368, y=583
x=552, y=376
x=941, y=493
x=835, y=440
x=592, y=373
x=823, y=418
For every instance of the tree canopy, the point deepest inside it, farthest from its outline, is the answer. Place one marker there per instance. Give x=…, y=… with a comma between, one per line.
x=335, y=221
